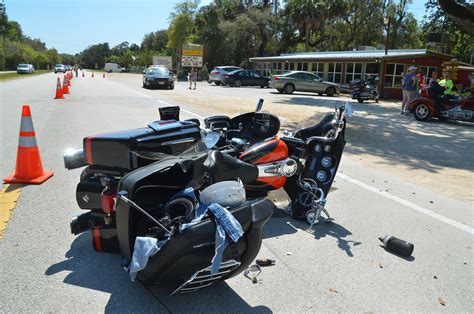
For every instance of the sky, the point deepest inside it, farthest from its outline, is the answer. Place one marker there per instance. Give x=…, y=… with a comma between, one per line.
x=72, y=25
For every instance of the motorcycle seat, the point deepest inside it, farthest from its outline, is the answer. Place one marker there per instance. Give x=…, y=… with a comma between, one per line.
x=221, y=167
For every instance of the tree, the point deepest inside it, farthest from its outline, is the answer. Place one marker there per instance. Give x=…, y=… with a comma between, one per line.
x=95, y=55
x=155, y=41
x=53, y=57
x=436, y=21
x=310, y=16
x=180, y=31
x=359, y=14
x=460, y=12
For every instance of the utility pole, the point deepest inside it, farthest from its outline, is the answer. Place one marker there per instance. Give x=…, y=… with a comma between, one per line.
x=386, y=21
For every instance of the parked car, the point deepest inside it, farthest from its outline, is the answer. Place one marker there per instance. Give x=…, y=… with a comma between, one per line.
x=239, y=78
x=59, y=68
x=303, y=82
x=158, y=77
x=217, y=73
x=113, y=67
x=25, y=68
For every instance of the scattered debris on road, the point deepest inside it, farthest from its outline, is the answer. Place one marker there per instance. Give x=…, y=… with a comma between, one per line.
x=441, y=301
x=398, y=246
x=333, y=290
x=252, y=272
x=265, y=262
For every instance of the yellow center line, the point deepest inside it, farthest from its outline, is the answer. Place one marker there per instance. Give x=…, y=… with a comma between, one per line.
x=8, y=197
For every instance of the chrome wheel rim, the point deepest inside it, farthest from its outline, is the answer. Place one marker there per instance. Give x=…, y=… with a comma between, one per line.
x=422, y=111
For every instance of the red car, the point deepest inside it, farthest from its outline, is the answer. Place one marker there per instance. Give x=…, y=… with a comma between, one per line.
x=424, y=108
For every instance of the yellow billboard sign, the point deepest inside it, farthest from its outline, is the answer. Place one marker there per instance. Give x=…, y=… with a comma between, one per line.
x=191, y=55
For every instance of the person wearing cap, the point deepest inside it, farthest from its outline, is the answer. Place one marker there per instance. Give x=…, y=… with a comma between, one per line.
x=408, y=88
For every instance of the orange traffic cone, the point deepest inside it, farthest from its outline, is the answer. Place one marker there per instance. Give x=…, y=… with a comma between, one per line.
x=29, y=168
x=69, y=81
x=103, y=75
x=59, y=90
x=92, y=73
x=65, y=85
x=82, y=73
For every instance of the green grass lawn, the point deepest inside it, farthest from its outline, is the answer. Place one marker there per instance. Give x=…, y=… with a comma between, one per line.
x=14, y=75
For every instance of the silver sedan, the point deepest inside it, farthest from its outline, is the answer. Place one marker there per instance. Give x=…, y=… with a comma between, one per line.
x=303, y=82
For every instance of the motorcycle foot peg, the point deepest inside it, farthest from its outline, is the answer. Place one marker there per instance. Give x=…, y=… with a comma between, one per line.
x=311, y=217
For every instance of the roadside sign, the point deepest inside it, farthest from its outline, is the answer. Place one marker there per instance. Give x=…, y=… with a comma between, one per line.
x=192, y=55
x=163, y=60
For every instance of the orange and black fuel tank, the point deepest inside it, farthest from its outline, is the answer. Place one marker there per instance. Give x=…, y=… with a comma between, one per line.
x=266, y=152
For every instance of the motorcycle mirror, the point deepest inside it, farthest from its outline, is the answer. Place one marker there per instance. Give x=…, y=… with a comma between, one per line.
x=259, y=105
x=211, y=139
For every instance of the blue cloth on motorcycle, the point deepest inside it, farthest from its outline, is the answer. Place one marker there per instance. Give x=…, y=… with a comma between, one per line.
x=189, y=192
x=226, y=227
x=145, y=247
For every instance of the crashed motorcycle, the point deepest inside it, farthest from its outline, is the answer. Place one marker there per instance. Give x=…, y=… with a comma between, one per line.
x=425, y=107
x=163, y=182
x=365, y=90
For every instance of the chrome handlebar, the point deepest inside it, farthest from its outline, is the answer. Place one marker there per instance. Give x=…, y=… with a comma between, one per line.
x=337, y=127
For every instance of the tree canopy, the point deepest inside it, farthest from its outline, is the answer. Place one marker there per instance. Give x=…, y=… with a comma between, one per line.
x=232, y=31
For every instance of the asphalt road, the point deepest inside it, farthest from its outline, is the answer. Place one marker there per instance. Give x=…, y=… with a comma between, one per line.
x=338, y=267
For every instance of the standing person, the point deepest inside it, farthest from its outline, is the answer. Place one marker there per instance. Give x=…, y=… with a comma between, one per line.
x=192, y=78
x=408, y=88
x=76, y=68
x=421, y=81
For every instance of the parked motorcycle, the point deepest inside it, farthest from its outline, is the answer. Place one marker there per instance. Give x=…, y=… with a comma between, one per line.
x=365, y=90
x=424, y=107
x=133, y=187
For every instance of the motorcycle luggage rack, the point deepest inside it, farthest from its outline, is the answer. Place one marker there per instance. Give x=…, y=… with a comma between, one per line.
x=203, y=278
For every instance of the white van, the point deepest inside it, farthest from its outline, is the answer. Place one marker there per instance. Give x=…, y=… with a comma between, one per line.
x=113, y=67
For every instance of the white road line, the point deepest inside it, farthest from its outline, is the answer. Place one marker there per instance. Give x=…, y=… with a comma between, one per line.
x=408, y=204
x=163, y=102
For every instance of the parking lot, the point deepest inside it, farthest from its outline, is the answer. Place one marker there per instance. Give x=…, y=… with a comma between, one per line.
x=398, y=176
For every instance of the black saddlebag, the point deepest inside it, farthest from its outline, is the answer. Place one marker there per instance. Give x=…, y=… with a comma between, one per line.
x=190, y=251
x=131, y=149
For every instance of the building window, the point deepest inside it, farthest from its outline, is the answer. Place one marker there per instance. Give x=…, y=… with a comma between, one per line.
x=318, y=68
x=353, y=71
x=371, y=69
x=334, y=72
x=289, y=66
x=394, y=75
x=302, y=66
x=428, y=72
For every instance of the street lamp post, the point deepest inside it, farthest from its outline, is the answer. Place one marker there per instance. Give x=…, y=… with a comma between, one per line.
x=386, y=21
